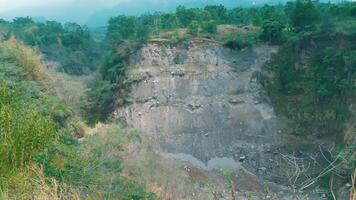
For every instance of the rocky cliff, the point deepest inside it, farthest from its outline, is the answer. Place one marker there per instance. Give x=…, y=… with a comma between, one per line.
x=202, y=102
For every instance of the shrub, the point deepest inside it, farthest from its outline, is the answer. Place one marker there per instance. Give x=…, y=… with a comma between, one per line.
x=242, y=40
x=272, y=31
x=193, y=28
x=209, y=26
x=25, y=132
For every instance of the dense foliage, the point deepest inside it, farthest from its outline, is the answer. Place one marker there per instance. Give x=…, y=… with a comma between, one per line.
x=315, y=68
x=24, y=130
x=71, y=45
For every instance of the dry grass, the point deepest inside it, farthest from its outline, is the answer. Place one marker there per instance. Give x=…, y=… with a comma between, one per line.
x=171, y=36
x=29, y=60
x=224, y=33
x=353, y=189
x=71, y=90
x=49, y=189
x=226, y=30
x=33, y=185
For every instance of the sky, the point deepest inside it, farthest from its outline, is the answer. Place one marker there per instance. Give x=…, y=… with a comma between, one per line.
x=62, y=10
x=95, y=13
x=11, y=5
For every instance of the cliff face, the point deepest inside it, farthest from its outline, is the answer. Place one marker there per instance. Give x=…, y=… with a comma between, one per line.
x=203, y=101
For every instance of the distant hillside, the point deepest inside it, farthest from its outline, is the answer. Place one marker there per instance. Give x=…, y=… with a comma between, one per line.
x=139, y=7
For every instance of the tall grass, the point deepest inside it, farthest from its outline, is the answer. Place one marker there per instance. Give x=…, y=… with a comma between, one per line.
x=29, y=60
x=24, y=131
x=32, y=184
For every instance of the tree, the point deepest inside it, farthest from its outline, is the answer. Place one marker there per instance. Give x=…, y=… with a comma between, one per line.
x=22, y=21
x=185, y=16
x=142, y=32
x=209, y=26
x=272, y=31
x=168, y=21
x=121, y=27
x=193, y=28
x=217, y=13
x=304, y=15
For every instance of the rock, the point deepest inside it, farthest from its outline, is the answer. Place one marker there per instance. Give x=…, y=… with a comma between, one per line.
x=193, y=107
x=235, y=101
x=242, y=158
x=198, y=98
x=262, y=169
x=148, y=75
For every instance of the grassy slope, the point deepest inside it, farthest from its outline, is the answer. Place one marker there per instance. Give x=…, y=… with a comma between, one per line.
x=63, y=168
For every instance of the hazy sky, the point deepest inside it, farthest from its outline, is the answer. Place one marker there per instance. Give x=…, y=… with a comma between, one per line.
x=83, y=10
x=64, y=10
x=99, y=11
x=13, y=5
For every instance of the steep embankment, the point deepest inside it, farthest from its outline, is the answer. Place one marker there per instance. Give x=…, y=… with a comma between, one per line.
x=203, y=103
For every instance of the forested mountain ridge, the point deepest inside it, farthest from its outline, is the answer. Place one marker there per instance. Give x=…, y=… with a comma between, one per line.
x=48, y=150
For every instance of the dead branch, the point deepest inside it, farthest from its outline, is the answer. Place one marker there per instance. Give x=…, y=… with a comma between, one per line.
x=331, y=187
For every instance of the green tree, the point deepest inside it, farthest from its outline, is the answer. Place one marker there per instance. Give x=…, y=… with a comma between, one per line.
x=304, y=15
x=121, y=28
x=193, y=28
x=168, y=21
x=209, y=26
x=217, y=12
x=272, y=31
x=185, y=16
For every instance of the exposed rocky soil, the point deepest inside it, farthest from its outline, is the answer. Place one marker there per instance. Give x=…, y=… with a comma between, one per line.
x=204, y=100
x=203, y=104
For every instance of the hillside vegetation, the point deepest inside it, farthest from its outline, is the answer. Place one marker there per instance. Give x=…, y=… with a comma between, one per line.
x=70, y=45
x=311, y=81
x=40, y=159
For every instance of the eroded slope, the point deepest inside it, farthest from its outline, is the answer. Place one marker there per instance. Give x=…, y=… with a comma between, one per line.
x=199, y=98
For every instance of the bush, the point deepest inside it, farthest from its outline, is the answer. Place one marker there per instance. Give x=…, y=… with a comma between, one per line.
x=272, y=31
x=241, y=40
x=314, y=91
x=193, y=28
x=209, y=26
x=25, y=132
